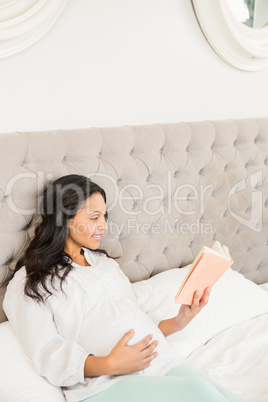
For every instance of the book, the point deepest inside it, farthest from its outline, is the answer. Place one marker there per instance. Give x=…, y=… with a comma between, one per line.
x=209, y=265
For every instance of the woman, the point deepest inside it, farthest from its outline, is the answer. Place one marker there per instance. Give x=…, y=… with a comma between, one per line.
x=76, y=315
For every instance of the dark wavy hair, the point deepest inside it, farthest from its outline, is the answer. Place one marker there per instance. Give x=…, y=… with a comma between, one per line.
x=45, y=258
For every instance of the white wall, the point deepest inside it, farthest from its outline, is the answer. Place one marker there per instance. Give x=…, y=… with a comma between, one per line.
x=115, y=62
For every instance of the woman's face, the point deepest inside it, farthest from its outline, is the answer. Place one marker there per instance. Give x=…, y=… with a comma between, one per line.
x=88, y=225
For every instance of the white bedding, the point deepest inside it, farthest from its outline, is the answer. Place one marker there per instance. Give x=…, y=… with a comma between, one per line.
x=237, y=358
x=228, y=340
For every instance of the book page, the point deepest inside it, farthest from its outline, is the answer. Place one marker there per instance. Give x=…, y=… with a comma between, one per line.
x=226, y=251
x=217, y=247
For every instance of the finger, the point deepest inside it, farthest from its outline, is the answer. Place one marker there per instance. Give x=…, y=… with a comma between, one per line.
x=150, y=348
x=126, y=338
x=144, y=342
x=151, y=357
x=205, y=297
x=146, y=362
x=196, y=297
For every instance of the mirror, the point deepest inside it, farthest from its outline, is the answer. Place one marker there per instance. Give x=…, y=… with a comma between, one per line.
x=23, y=22
x=253, y=13
x=237, y=30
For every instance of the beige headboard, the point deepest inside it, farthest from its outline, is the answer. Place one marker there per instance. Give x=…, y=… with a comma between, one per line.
x=171, y=188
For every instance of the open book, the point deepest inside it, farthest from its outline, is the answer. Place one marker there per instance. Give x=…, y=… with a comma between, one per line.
x=209, y=265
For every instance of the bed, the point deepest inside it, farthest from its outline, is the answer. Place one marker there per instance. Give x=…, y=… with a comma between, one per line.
x=171, y=189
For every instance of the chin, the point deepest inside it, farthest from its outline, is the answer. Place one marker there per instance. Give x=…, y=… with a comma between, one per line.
x=93, y=246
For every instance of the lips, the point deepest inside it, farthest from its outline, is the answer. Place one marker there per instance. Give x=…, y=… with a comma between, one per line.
x=97, y=237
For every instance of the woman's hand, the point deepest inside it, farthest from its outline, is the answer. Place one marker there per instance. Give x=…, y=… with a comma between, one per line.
x=188, y=312
x=185, y=315
x=126, y=359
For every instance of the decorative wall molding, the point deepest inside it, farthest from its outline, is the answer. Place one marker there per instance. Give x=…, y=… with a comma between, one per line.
x=237, y=44
x=23, y=22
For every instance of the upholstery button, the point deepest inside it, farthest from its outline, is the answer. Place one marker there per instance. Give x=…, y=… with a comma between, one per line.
x=4, y=199
x=134, y=205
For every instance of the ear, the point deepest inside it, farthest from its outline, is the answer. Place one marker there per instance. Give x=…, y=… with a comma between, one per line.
x=70, y=224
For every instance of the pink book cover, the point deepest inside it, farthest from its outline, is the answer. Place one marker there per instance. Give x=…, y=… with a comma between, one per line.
x=204, y=272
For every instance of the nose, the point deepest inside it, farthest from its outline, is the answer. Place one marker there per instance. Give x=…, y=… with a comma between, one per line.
x=103, y=225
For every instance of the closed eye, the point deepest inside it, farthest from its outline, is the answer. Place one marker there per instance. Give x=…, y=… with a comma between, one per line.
x=94, y=218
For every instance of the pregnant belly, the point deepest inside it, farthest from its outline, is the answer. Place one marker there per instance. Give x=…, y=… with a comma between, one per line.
x=105, y=324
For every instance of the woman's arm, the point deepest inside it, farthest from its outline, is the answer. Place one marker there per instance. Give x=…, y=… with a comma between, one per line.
x=124, y=358
x=185, y=314
x=58, y=359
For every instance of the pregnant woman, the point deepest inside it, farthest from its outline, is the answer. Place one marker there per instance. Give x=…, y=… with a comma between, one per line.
x=75, y=313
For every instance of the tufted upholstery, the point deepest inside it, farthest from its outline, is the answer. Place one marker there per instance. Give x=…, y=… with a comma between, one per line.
x=171, y=188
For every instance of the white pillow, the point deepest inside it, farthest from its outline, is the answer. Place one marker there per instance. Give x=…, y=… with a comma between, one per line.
x=19, y=380
x=233, y=299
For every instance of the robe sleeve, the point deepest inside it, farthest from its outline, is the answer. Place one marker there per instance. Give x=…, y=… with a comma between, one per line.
x=58, y=359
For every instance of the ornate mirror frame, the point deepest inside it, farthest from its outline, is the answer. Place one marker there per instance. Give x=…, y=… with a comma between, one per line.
x=237, y=44
x=23, y=22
